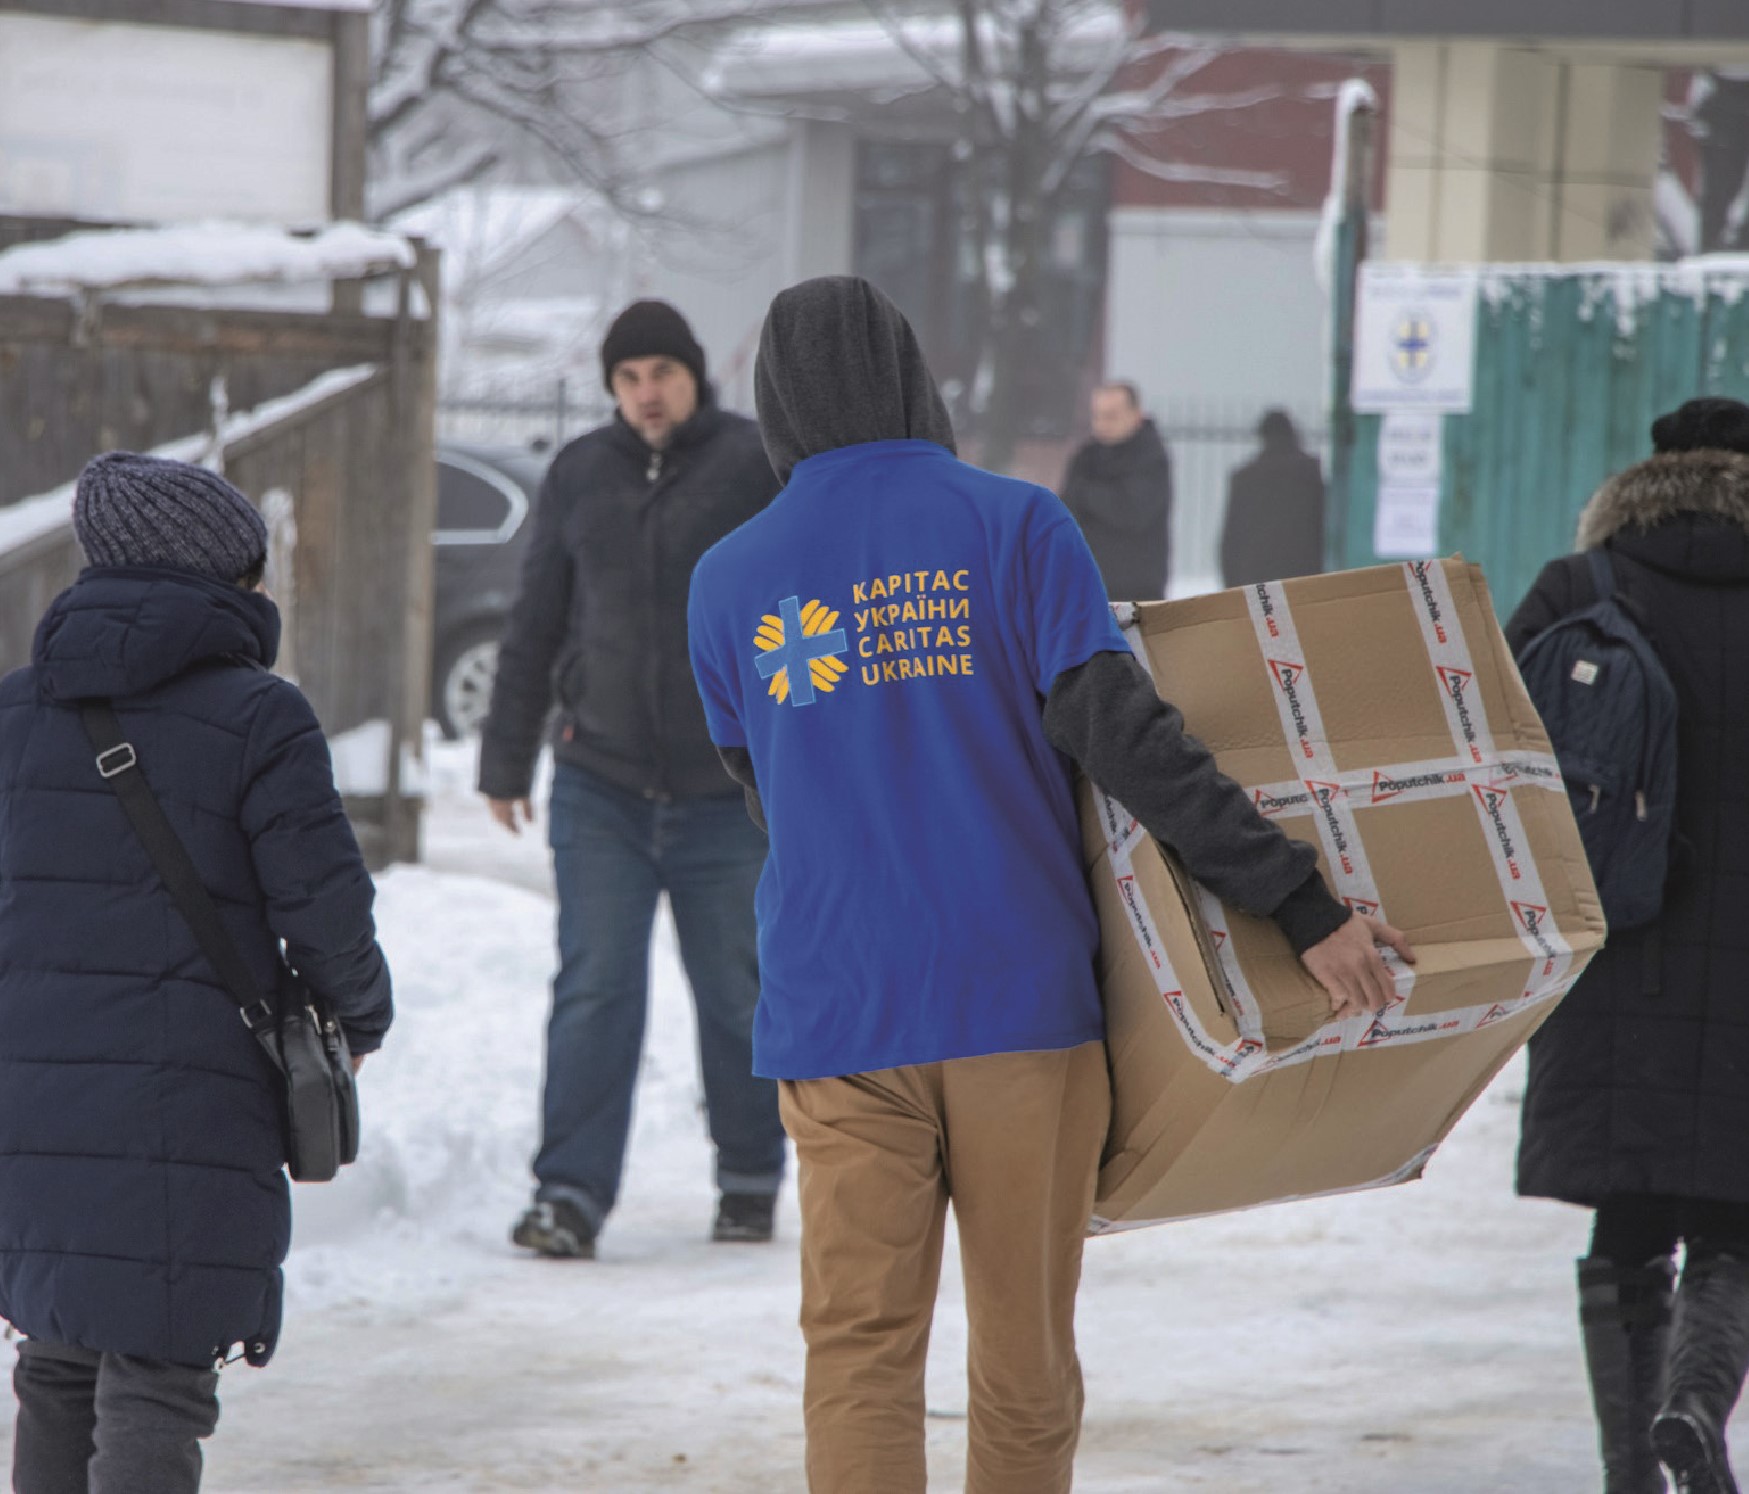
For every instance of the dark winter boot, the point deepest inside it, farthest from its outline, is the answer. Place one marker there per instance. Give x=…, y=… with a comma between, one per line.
x=1709, y=1357
x=745, y=1219
x=1625, y=1314
x=559, y=1230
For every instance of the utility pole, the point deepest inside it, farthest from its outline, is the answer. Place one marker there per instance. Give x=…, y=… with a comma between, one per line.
x=1359, y=127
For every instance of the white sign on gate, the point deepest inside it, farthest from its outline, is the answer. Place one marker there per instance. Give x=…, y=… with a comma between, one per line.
x=1412, y=448
x=1406, y=521
x=1415, y=340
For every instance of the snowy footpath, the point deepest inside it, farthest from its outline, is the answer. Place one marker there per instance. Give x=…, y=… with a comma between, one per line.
x=1418, y=1341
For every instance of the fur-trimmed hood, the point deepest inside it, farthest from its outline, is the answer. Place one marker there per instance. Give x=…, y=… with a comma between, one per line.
x=1713, y=484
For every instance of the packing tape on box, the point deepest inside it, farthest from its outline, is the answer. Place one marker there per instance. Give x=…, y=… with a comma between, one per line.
x=1413, y=783
x=1331, y=804
x=1520, y=879
x=1476, y=771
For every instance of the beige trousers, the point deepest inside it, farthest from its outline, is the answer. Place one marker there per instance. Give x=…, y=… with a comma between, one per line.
x=1014, y=1141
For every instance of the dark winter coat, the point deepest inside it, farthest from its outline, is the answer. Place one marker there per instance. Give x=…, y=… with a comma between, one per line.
x=143, y=1206
x=1275, y=518
x=1121, y=496
x=599, y=622
x=1639, y=1083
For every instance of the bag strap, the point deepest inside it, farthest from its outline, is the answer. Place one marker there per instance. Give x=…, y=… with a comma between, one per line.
x=1604, y=578
x=119, y=766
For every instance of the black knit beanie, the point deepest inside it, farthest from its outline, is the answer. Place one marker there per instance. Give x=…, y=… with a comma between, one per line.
x=1710, y=424
x=651, y=329
x=142, y=510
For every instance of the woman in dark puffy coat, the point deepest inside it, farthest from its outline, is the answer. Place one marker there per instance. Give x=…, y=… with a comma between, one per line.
x=1638, y=1102
x=144, y=1211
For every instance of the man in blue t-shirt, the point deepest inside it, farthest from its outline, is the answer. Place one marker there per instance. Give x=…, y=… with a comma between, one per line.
x=898, y=659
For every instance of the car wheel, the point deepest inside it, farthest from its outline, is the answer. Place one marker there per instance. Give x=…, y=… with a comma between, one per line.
x=464, y=675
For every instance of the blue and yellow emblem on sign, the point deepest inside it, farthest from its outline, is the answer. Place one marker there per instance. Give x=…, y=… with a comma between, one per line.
x=798, y=651
x=1414, y=347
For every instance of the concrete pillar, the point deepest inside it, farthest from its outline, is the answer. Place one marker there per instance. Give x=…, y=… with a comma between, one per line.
x=822, y=200
x=1504, y=152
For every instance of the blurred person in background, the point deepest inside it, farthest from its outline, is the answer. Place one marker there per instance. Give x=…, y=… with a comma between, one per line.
x=1719, y=122
x=1275, y=510
x=1119, y=488
x=144, y=1213
x=1638, y=1100
x=641, y=806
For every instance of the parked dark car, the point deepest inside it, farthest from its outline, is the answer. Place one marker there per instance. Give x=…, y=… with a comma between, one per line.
x=484, y=497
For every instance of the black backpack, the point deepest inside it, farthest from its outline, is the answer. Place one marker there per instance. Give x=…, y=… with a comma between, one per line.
x=1610, y=710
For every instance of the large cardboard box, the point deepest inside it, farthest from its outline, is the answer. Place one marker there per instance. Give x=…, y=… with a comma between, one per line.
x=1378, y=716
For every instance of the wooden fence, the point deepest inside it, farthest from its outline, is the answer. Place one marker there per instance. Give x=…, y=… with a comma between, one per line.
x=348, y=467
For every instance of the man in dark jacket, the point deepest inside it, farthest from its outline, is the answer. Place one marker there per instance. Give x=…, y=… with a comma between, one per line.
x=1638, y=1100
x=1720, y=125
x=641, y=805
x=1275, y=510
x=898, y=659
x=143, y=1207
x=1119, y=488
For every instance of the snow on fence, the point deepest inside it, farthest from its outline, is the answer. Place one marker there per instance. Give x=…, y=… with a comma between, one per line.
x=338, y=421
x=203, y=254
x=38, y=553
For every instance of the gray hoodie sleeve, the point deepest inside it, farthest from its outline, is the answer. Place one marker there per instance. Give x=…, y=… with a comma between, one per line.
x=1107, y=715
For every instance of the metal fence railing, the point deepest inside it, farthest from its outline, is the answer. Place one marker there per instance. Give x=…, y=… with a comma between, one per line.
x=1208, y=440
x=539, y=414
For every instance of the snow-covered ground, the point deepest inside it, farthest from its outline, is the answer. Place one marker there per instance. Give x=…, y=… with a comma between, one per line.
x=1419, y=1341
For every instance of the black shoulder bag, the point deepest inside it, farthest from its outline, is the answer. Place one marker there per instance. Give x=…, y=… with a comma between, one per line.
x=300, y=1036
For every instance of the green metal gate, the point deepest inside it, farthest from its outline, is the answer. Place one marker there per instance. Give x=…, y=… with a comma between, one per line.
x=1572, y=366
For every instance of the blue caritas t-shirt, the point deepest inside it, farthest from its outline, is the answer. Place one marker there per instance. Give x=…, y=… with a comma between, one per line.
x=881, y=640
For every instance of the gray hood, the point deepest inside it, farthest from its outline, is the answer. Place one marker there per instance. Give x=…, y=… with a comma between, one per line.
x=840, y=366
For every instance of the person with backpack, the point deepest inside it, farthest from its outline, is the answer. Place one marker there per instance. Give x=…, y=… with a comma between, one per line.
x=1636, y=650
x=144, y=1212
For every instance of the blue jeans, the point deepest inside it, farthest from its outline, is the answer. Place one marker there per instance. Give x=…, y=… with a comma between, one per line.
x=614, y=853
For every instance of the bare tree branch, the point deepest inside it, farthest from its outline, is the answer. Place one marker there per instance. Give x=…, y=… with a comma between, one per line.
x=513, y=77
x=1140, y=110
x=416, y=189
x=1040, y=88
x=1179, y=171
x=920, y=54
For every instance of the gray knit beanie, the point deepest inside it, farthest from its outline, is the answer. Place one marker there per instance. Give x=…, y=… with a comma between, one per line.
x=143, y=510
